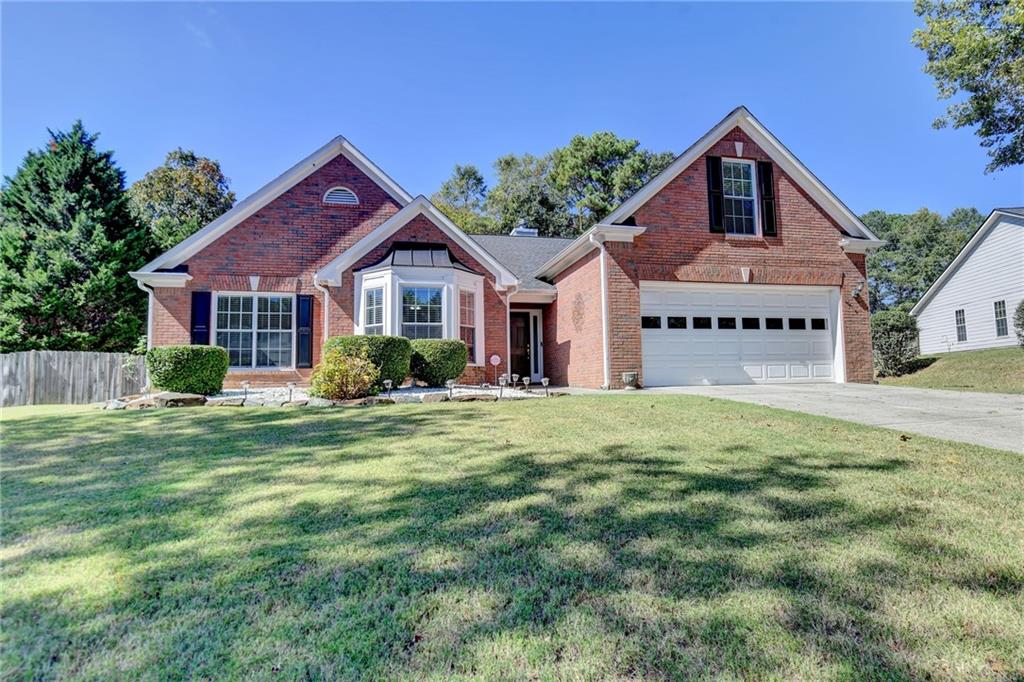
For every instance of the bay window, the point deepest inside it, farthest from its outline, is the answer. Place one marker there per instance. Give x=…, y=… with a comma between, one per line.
x=421, y=313
x=257, y=330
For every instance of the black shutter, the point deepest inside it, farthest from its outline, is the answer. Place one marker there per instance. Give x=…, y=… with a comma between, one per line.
x=766, y=188
x=304, y=331
x=716, y=203
x=201, y=318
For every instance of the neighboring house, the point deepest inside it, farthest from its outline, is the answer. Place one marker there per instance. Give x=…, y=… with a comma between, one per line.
x=971, y=304
x=734, y=265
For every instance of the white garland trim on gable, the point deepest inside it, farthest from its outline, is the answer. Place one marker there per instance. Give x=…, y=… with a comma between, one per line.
x=450, y=280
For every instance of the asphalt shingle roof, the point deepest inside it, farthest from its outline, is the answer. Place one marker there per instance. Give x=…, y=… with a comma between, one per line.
x=1016, y=211
x=522, y=255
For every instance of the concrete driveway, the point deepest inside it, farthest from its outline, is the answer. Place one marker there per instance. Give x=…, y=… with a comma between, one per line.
x=991, y=419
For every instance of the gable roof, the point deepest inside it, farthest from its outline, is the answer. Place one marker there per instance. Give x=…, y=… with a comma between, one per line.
x=331, y=273
x=860, y=237
x=741, y=118
x=994, y=218
x=272, y=190
x=523, y=255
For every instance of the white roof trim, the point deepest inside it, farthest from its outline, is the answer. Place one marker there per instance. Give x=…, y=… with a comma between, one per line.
x=272, y=190
x=792, y=166
x=851, y=245
x=583, y=244
x=995, y=217
x=331, y=273
x=163, y=280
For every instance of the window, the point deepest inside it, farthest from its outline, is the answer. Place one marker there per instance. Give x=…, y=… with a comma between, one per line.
x=961, y=325
x=341, y=196
x=373, y=312
x=797, y=323
x=1000, y=310
x=650, y=322
x=702, y=323
x=751, y=322
x=467, y=321
x=727, y=323
x=818, y=323
x=263, y=339
x=738, y=194
x=677, y=323
x=421, y=313
x=773, y=323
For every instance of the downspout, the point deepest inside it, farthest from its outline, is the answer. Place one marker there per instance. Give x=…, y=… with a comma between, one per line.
x=599, y=243
x=149, y=312
x=327, y=301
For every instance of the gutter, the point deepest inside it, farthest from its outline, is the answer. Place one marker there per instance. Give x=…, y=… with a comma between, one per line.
x=599, y=243
x=149, y=312
x=327, y=300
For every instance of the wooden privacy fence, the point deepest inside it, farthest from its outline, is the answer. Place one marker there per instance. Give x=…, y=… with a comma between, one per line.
x=45, y=377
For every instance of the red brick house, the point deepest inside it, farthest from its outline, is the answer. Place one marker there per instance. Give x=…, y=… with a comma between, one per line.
x=734, y=265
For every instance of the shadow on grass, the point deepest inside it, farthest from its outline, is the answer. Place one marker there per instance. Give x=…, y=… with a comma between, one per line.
x=456, y=554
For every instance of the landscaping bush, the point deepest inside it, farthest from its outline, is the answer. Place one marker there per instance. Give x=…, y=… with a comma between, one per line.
x=435, y=361
x=187, y=369
x=391, y=354
x=1018, y=323
x=894, y=341
x=343, y=376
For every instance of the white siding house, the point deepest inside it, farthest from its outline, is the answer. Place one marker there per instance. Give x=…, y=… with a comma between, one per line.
x=971, y=305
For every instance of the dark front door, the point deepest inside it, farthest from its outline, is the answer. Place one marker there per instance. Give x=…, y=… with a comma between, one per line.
x=519, y=330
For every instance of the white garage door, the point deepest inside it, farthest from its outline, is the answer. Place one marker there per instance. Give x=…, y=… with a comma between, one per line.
x=736, y=334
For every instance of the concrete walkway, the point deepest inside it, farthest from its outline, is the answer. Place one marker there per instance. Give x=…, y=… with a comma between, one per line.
x=992, y=419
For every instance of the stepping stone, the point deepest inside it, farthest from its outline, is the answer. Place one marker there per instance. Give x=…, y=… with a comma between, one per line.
x=230, y=401
x=172, y=399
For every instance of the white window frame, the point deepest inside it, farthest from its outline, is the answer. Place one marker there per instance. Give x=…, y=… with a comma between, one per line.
x=217, y=295
x=383, y=309
x=1001, y=318
x=478, y=308
x=753, y=186
x=400, y=305
x=960, y=322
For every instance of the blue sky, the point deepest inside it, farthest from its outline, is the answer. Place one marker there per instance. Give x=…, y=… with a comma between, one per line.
x=421, y=87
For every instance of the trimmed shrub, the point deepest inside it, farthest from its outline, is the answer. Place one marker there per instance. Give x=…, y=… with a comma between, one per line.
x=343, y=376
x=1018, y=323
x=391, y=354
x=894, y=342
x=187, y=369
x=435, y=361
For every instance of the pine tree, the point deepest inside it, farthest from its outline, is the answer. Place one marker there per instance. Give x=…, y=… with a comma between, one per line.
x=67, y=243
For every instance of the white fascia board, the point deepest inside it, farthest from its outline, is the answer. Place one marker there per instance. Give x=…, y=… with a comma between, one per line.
x=793, y=167
x=331, y=273
x=993, y=218
x=272, y=190
x=162, y=280
x=533, y=296
x=851, y=245
x=582, y=245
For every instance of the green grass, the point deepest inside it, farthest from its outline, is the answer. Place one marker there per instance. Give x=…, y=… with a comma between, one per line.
x=996, y=370
x=581, y=538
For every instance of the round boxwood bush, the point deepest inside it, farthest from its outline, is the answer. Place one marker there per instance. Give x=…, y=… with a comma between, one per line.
x=391, y=354
x=187, y=369
x=435, y=361
x=343, y=376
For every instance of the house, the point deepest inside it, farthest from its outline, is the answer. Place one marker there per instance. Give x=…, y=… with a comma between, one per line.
x=734, y=265
x=971, y=305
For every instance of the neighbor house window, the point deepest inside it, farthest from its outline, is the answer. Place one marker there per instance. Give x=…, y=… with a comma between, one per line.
x=256, y=330
x=1001, y=327
x=961, y=325
x=373, y=310
x=467, y=322
x=738, y=193
x=421, y=313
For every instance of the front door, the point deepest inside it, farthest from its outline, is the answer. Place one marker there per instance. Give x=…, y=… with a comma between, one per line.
x=519, y=331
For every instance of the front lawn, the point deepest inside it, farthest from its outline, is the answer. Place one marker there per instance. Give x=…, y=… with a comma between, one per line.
x=996, y=370
x=586, y=538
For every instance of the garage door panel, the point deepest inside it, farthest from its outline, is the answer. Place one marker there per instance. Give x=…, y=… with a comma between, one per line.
x=731, y=356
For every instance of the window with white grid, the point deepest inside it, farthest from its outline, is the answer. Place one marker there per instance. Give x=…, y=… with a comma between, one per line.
x=961, y=325
x=738, y=192
x=373, y=307
x=1002, y=329
x=467, y=321
x=421, y=313
x=256, y=330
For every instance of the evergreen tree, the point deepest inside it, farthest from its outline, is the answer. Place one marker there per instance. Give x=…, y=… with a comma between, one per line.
x=67, y=243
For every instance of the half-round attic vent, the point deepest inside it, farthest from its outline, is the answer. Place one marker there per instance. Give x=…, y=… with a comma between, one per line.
x=341, y=196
